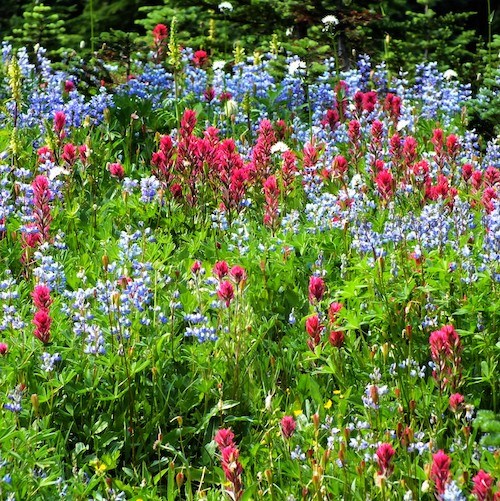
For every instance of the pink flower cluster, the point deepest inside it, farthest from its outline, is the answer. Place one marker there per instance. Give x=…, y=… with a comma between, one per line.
x=224, y=438
x=314, y=325
x=446, y=350
x=236, y=275
x=384, y=454
x=440, y=475
x=194, y=161
x=42, y=319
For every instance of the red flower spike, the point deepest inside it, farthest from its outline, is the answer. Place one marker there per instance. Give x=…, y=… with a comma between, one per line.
x=238, y=274
x=384, y=453
x=59, y=123
x=42, y=322
x=41, y=297
x=288, y=426
x=483, y=483
x=456, y=401
x=224, y=438
x=225, y=292
x=160, y=32
x=440, y=471
x=116, y=170
x=336, y=339
x=316, y=289
x=220, y=269
x=200, y=58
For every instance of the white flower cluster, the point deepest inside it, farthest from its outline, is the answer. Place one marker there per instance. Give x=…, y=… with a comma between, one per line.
x=226, y=7
x=329, y=23
x=296, y=66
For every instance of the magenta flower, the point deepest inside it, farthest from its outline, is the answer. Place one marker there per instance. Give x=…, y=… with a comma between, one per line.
x=333, y=309
x=440, y=471
x=41, y=297
x=225, y=292
x=482, y=486
x=200, y=58
x=59, y=122
x=316, y=289
x=456, y=401
x=196, y=268
x=314, y=328
x=336, y=339
x=220, y=269
x=224, y=437
x=116, y=170
x=4, y=348
x=384, y=453
x=238, y=274
x=160, y=32
x=288, y=426
x=69, y=154
x=42, y=322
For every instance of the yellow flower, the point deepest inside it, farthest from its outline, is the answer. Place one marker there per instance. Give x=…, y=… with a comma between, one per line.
x=297, y=412
x=98, y=466
x=328, y=404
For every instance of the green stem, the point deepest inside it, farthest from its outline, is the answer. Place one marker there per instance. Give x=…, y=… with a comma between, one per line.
x=91, y=5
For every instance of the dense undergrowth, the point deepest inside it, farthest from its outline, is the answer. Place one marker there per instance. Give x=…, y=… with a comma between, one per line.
x=247, y=280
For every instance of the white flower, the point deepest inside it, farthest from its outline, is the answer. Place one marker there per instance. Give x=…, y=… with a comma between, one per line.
x=449, y=74
x=230, y=107
x=226, y=7
x=329, y=22
x=402, y=124
x=295, y=66
x=268, y=402
x=279, y=147
x=218, y=65
x=56, y=171
x=289, y=31
x=356, y=181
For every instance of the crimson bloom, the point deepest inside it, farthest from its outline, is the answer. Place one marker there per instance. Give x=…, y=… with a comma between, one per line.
x=220, y=269
x=440, y=471
x=41, y=297
x=225, y=292
x=69, y=153
x=4, y=348
x=238, y=274
x=200, y=58
x=336, y=339
x=42, y=322
x=314, y=328
x=288, y=426
x=333, y=309
x=224, y=437
x=384, y=453
x=59, y=123
x=316, y=289
x=116, y=170
x=160, y=32
x=456, y=401
x=482, y=486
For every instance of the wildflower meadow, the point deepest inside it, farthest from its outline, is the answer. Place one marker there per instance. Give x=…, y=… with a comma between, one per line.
x=247, y=279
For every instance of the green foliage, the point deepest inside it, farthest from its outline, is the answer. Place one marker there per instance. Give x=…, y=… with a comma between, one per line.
x=42, y=26
x=428, y=36
x=120, y=47
x=484, y=109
